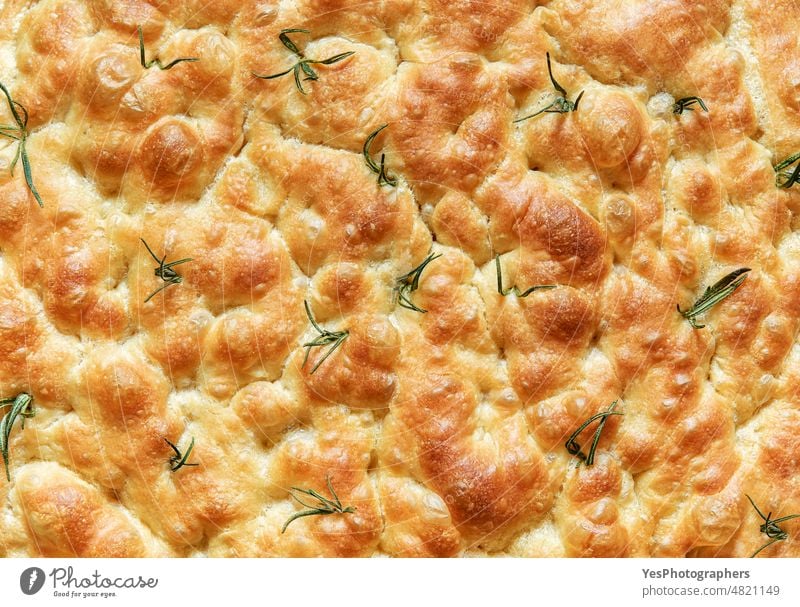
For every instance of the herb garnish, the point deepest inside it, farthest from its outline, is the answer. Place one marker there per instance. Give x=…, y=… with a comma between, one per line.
x=20, y=406
x=561, y=105
x=713, y=295
x=770, y=527
x=148, y=64
x=408, y=283
x=575, y=449
x=325, y=337
x=19, y=132
x=789, y=178
x=178, y=460
x=383, y=177
x=324, y=505
x=686, y=104
x=165, y=272
x=304, y=64
x=515, y=288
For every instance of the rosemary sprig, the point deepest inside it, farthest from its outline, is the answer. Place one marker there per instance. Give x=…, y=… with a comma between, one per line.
x=408, y=283
x=770, y=527
x=156, y=61
x=325, y=338
x=19, y=132
x=323, y=505
x=575, y=449
x=515, y=288
x=713, y=295
x=789, y=177
x=164, y=271
x=304, y=64
x=20, y=407
x=178, y=460
x=686, y=104
x=383, y=177
x=561, y=105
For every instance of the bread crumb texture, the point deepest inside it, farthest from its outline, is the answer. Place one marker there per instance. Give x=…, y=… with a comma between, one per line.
x=445, y=430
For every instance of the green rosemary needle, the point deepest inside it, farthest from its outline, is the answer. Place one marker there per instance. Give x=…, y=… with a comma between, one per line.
x=380, y=171
x=713, y=295
x=789, y=177
x=304, y=64
x=148, y=64
x=686, y=104
x=770, y=527
x=575, y=449
x=164, y=271
x=408, y=283
x=20, y=407
x=178, y=461
x=561, y=105
x=19, y=132
x=514, y=289
x=323, y=505
x=333, y=338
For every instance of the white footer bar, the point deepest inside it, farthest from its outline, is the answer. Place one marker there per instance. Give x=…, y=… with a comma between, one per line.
x=406, y=583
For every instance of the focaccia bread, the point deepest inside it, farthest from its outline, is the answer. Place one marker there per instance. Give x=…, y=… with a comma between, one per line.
x=430, y=408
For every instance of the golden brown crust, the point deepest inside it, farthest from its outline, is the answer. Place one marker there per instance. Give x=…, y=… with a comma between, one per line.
x=444, y=430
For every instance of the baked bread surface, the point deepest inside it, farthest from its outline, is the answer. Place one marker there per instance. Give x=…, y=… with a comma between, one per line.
x=445, y=430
